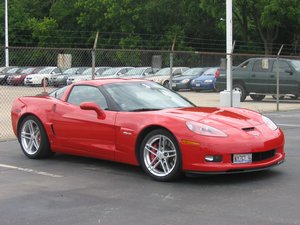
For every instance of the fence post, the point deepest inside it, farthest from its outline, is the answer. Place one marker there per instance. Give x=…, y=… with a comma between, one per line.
x=171, y=63
x=94, y=56
x=277, y=79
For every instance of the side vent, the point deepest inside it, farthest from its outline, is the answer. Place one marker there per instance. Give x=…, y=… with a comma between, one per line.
x=53, y=131
x=248, y=129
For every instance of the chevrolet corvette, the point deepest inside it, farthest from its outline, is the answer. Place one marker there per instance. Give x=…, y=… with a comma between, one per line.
x=141, y=123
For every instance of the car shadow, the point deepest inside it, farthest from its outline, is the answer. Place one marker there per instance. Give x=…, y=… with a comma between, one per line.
x=135, y=172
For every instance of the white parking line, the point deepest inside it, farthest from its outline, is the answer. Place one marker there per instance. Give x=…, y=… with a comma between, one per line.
x=288, y=125
x=30, y=171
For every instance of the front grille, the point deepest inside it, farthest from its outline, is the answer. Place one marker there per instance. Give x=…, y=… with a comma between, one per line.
x=260, y=156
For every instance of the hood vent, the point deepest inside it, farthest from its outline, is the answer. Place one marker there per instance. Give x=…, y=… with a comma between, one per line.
x=248, y=129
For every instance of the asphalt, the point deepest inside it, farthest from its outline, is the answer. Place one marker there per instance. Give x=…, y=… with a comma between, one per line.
x=79, y=191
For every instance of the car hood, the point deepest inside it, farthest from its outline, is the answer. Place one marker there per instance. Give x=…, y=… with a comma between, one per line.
x=185, y=77
x=223, y=118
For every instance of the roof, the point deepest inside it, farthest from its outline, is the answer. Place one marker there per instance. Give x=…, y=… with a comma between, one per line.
x=102, y=81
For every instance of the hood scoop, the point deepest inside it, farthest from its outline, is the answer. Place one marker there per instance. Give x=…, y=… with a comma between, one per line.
x=248, y=129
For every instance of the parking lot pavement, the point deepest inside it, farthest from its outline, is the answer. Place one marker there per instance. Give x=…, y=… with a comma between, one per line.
x=80, y=191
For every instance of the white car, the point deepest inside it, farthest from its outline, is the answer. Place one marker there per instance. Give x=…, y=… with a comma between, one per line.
x=114, y=72
x=163, y=75
x=43, y=75
x=86, y=75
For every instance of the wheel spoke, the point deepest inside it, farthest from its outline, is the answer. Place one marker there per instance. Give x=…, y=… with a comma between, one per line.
x=149, y=150
x=30, y=126
x=30, y=145
x=163, y=166
x=154, y=166
x=167, y=165
x=25, y=135
x=36, y=143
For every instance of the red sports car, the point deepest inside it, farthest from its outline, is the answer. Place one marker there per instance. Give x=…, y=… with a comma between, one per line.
x=142, y=123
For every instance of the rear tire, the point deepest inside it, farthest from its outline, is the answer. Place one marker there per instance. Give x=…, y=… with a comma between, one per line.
x=33, y=139
x=257, y=98
x=160, y=156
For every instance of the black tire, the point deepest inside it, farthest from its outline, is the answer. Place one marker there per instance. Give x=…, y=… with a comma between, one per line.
x=162, y=158
x=241, y=89
x=40, y=144
x=257, y=98
x=166, y=84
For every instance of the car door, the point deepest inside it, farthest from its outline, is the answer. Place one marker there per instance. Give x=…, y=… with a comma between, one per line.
x=80, y=131
x=260, y=76
x=287, y=79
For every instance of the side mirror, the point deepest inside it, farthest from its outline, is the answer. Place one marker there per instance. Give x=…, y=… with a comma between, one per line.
x=289, y=71
x=93, y=106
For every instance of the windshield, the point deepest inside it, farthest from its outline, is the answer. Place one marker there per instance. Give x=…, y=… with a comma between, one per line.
x=71, y=70
x=210, y=72
x=28, y=70
x=143, y=96
x=296, y=64
x=136, y=71
x=194, y=71
x=165, y=71
x=46, y=70
x=111, y=71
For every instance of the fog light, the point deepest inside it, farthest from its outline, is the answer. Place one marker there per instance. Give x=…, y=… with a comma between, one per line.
x=213, y=158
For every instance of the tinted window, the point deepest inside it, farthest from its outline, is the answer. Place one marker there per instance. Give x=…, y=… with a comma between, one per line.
x=260, y=67
x=59, y=92
x=283, y=66
x=82, y=93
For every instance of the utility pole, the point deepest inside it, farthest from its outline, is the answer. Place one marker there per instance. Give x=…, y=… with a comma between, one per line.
x=6, y=33
x=229, y=48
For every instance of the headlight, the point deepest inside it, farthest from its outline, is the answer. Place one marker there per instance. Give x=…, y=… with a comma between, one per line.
x=269, y=123
x=185, y=81
x=203, y=129
x=208, y=81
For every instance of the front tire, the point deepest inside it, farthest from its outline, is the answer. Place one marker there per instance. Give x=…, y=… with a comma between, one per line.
x=33, y=139
x=160, y=156
x=166, y=84
x=240, y=88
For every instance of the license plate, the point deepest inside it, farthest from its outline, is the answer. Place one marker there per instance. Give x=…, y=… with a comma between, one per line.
x=242, y=158
x=197, y=85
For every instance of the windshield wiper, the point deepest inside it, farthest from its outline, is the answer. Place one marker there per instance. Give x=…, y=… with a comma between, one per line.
x=144, y=109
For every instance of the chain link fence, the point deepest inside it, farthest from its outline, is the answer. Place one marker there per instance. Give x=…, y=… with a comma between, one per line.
x=24, y=61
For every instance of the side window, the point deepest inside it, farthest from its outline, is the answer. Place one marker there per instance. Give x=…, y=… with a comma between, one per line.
x=245, y=65
x=82, y=93
x=149, y=70
x=177, y=71
x=57, y=70
x=283, y=66
x=259, y=67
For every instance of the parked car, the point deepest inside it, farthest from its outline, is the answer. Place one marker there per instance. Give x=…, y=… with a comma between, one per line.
x=87, y=74
x=207, y=80
x=6, y=72
x=257, y=77
x=184, y=81
x=141, y=123
x=140, y=72
x=114, y=72
x=41, y=76
x=61, y=79
x=163, y=76
x=20, y=75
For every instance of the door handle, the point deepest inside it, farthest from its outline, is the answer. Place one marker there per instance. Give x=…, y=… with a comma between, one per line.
x=253, y=75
